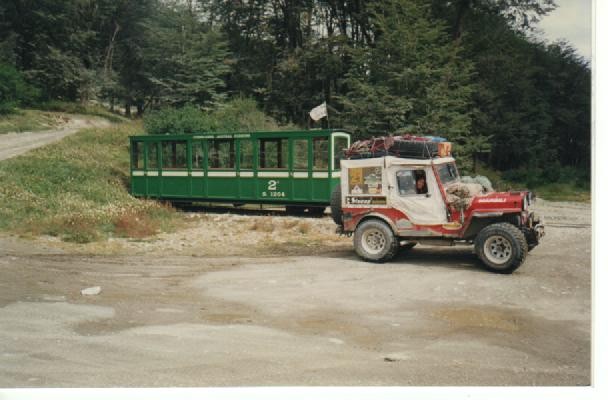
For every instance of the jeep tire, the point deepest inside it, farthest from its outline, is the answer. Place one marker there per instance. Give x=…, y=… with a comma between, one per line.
x=335, y=204
x=501, y=247
x=375, y=241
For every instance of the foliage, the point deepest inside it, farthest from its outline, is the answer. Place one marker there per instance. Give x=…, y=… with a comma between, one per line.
x=412, y=77
x=14, y=91
x=241, y=115
x=76, y=189
x=184, y=60
x=470, y=70
x=560, y=184
x=188, y=119
x=236, y=115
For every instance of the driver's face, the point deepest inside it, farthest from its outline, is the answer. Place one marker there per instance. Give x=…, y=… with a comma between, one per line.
x=420, y=183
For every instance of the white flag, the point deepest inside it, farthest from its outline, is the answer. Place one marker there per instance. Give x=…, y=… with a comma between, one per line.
x=318, y=112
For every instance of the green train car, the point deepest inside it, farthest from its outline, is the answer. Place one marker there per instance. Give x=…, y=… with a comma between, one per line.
x=297, y=169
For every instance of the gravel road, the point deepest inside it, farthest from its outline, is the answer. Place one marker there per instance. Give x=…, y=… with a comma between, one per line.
x=320, y=316
x=14, y=144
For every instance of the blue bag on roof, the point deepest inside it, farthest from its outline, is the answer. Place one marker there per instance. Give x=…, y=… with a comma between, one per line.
x=436, y=139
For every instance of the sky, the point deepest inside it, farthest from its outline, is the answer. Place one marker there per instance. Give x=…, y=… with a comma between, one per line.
x=571, y=21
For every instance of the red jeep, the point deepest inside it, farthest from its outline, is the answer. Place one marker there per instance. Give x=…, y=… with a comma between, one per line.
x=390, y=200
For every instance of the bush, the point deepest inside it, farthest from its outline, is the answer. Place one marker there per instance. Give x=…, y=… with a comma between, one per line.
x=235, y=115
x=188, y=119
x=552, y=173
x=524, y=177
x=14, y=91
x=241, y=115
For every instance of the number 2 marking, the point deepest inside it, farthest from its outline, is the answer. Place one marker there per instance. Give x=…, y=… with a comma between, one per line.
x=272, y=185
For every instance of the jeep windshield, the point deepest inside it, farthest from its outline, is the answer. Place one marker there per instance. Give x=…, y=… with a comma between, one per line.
x=447, y=173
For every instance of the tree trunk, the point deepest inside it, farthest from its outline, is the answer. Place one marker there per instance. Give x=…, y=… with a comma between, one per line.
x=461, y=12
x=107, y=65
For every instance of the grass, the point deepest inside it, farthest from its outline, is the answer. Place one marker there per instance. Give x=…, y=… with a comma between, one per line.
x=30, y=120
x=77, y=189
x=563, y=192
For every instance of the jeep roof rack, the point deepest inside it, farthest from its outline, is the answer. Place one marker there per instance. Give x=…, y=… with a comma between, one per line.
x=403, y=146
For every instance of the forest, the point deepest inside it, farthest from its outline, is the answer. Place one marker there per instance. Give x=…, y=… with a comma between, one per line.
x=473, y=71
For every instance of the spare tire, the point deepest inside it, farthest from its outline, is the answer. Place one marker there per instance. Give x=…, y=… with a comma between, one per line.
x=336, y=205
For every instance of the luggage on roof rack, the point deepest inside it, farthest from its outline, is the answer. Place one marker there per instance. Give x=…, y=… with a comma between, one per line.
x=405, y=146
x=414, y=149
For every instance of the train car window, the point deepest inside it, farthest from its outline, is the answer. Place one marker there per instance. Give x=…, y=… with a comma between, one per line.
x=320, y=150
x=221, y=153
x=340, y=143
x=174, y=154
x=300, y=154
x=198, y=155
x=246, y=154
x=273, y=153
x=137, y=154
x=152, y=155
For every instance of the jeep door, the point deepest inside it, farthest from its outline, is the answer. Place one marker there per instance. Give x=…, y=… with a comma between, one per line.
x=423, y=206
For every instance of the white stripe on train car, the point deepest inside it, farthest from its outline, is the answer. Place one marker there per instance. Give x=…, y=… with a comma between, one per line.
x=300, y=174
x=175, y=173
x=152, y=173
x=335, y=174
x=320, y=175
x=138, y=173
x=198, y=174
x=216, y=174
x=247, y=174
x=273, y=174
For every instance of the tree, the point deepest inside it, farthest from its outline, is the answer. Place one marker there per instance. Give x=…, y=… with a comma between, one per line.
x=185, y=60
x=410, y=77
x=519, y=14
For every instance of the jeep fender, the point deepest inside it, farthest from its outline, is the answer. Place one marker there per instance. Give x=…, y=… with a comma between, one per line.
x=382, y=217
x=478, y=222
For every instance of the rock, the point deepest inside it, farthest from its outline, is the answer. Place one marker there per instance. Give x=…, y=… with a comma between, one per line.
x=91, y=291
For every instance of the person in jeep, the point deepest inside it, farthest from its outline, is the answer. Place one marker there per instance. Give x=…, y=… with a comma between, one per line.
x=421, y=187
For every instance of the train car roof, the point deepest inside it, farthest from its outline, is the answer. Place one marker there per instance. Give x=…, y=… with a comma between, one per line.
x=237, y=134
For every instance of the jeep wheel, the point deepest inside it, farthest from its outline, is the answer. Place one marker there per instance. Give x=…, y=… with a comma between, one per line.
x=501, y=247
x=335, y=204
x=375, y=241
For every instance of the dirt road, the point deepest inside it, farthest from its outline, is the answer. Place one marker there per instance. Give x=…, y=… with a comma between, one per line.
x=13, y=144
x=319, y=316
